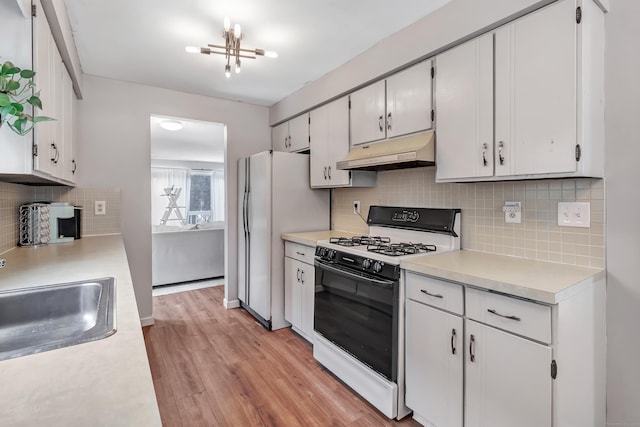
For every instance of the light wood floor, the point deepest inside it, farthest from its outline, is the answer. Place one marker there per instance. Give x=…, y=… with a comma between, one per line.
x=218, y=367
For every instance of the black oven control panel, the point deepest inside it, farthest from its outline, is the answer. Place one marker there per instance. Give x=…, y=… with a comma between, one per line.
x=358, y=263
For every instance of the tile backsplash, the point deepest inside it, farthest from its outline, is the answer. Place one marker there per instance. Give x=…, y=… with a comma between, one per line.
x=483, y=227
x=14, y=195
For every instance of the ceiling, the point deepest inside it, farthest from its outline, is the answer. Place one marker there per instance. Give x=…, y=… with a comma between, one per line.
x=196, y=141
x=144, y=41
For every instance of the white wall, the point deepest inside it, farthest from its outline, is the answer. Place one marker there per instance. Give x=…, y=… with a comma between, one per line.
x=114, y=151
x=622, y=110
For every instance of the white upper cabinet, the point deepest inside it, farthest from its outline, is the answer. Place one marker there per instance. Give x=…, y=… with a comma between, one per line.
x=399, y=105
x=409, y=100
x=329, y=143
x=291, y=136
x=464, y=97
x=548, y=99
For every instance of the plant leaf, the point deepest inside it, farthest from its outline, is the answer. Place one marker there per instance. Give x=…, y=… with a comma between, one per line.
x=19, y=125
x=7, y=110
x=18, y=107
x=27, y=74
x=4, y=99
x=7, y=66
x=11, y=71
x=35, y=101
x=42, y=119
x=12, y=85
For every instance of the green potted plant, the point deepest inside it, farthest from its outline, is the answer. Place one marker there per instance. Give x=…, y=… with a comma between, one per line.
x=16, y=91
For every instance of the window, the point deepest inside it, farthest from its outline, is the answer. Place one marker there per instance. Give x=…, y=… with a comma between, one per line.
x=183, y=196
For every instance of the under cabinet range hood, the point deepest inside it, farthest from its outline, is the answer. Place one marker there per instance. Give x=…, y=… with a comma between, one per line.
x=400, y=153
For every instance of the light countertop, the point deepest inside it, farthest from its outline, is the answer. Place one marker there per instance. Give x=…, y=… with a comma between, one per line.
x=537, y=280
x=100, y=383
x=311, y=238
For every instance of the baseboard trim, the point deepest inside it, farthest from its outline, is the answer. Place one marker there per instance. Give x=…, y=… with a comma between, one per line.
x=231, y=304
x=146, y=321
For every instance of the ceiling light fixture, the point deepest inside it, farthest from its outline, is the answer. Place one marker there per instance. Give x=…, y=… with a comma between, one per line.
x=231, y=48
x=171, y=125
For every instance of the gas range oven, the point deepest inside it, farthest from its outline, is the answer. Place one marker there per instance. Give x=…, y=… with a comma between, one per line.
x=359, y=299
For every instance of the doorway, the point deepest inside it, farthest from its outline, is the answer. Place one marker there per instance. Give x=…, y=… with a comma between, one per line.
x=187, y=204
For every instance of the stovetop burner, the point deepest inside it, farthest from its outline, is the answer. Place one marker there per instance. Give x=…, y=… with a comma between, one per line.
x=399, y=249
x=360, y=240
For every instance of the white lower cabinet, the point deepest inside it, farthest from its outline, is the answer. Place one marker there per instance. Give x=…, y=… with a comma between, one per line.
x=434, y=359
x=518, y=362
x=299, y=288
x=507, y=379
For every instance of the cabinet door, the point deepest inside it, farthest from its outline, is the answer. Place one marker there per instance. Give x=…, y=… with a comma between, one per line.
x=338, y=141
x=464, y=109
x=280, y=137
x=434, y=365
x=67, y=135
x=508, y=382
x=299, y=133
x=536, y=92
x=319, y=140
x=409, y=100
x=307, y=296
x=43, y=58
x=367, y=114
x=57, y=140
x=290, y=284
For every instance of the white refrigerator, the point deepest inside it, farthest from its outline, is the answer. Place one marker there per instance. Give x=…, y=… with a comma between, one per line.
x=274, y=197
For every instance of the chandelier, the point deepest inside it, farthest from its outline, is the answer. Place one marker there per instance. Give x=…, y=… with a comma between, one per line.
x=231, y=49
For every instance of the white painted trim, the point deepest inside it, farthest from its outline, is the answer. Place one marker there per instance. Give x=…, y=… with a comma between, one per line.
x=146, y=321
x=231, y=304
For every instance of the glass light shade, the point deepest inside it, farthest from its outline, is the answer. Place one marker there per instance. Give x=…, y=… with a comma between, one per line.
x=270, y=54
x=192, y=49
x=171, y=125
x=238, y=66
x=227, y=70
x=237, y=31
x=227, y=23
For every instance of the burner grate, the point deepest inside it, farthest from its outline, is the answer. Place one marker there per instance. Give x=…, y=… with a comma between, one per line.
x=399, y=249
x=360, y=240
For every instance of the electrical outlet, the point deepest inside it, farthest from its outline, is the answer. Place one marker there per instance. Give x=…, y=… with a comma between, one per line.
x=575, y=214
x=356, y=207
x=100, y=207
x=512, y=212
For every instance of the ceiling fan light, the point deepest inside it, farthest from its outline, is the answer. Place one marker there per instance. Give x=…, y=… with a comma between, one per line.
x=237, y=31
x=192, y=49
x=270, y=54
x=227, y=71
x=238, y=66
x=227, y=23
x=171, y=125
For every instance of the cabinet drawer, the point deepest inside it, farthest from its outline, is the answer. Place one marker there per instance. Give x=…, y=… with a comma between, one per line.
x=300, y=252
x=524, y=318
x=436, y=293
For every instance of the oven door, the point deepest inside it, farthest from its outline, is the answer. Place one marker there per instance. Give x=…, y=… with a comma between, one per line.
x=358, y=313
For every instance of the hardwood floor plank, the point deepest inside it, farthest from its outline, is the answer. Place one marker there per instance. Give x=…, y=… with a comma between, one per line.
x=218, y=367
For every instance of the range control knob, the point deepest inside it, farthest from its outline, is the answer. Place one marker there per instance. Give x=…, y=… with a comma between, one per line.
x=377, y=267
x=331, y=254
x=366, y=263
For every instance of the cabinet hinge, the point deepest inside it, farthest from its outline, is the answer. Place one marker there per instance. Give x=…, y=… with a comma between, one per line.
x=433, y=114
x=34, y=150
x=578, y=14
x=554, y=369
x=578, y=152
x=33, y=10
x=433, y=72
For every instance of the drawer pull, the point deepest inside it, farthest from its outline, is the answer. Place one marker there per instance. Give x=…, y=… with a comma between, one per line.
x=492, y=311
x=300, y=253
x=424, y=291
x=472, y=345
x=453, y=343
x=298, y=275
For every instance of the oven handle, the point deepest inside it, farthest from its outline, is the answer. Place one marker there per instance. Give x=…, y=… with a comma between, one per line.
x=385, y=283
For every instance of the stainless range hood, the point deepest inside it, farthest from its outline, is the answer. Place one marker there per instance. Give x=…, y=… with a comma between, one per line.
x=405, y=152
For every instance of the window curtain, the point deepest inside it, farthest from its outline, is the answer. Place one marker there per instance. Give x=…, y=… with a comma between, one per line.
x=162, y=178
x=217, y=197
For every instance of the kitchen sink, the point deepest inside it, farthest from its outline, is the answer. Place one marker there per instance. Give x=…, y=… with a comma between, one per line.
x=43, y=318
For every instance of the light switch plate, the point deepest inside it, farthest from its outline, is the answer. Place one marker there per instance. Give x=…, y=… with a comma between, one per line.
x=574, y=214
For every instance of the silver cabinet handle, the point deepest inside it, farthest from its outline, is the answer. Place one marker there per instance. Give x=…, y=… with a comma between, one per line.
x=298, y=275
x=424, y=291
x=389, y=121
x=302, y=276
x=472, y=348
x=75, y=166
x=325, y=172
x=300, y=253
x=500, y=155
x=380, y=126
x=285, y=141
x=492, y=311
x=329, y=172
x=485, y=147
x=453, y=341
